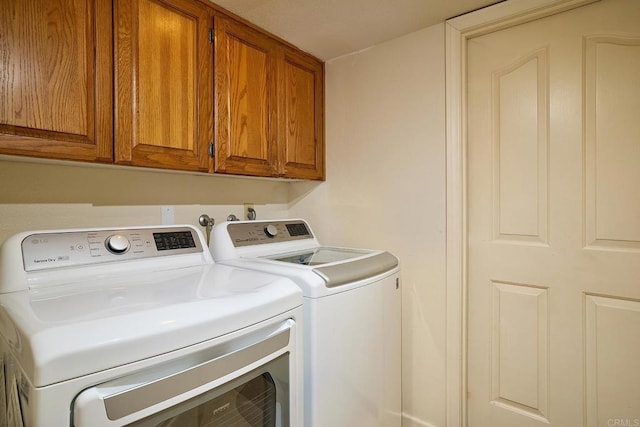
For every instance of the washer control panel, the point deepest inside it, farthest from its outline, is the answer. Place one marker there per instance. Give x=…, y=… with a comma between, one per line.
x=66, y=249
x=262, y=232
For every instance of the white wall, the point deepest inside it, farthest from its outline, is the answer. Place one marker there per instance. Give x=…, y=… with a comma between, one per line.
x=385, y=188
x=37, y=196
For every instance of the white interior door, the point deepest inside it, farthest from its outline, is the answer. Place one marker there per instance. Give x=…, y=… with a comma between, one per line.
x=553, y=173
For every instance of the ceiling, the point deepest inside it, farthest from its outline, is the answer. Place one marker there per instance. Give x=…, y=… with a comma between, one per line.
x=332, y=28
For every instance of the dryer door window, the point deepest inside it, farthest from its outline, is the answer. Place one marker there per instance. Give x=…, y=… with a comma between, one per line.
x=253, y=403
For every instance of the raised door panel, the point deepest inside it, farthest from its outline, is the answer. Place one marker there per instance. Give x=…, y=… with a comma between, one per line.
x=245, y=100
x=301, y=135
x=55, y=79
x=519, y=145
x=164, y=78
x=612, y=136
x=612, y=360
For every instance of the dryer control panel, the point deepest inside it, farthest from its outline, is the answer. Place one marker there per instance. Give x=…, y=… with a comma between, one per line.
x=262, y=232
x=42, y=251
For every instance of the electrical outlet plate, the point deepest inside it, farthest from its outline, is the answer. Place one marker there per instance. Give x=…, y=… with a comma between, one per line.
x=167, y=214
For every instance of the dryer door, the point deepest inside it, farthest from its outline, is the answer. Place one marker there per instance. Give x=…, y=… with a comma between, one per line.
x=245, y=384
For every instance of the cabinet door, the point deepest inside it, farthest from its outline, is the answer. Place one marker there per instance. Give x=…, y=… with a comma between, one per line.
x=55, y=79
x=164, y=84
x=301, y=116
x=245, y=100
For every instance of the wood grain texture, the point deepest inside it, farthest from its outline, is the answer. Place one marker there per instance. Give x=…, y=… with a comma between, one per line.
x=59, y=74
x=164, y=79
x=249, y=100
x=301, y=135
x=55, y=79
x=245, y=100
x=269, y=106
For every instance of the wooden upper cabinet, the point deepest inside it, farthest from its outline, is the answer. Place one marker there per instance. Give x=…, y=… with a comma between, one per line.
x=133, y=82
x=164, y=84
x=269, y=106
x=56, y=79
x=301, y=112
x=246, y=105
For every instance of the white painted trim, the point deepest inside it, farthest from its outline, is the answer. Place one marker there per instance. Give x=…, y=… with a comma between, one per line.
x=455, y=384
x=508, y=14
x=457, y=32
x=410, y=421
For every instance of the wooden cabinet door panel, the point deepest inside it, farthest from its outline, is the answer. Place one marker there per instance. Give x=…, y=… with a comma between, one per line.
x=301, y=138
x=55, y=79
x=164, y=60
x=245, y=100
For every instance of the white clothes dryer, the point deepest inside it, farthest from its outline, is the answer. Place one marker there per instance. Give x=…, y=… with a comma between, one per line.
x=138, y=327
x=352, y=317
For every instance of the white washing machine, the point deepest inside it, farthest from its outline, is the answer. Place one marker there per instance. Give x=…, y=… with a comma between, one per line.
x=138, y=327
x=352, y=317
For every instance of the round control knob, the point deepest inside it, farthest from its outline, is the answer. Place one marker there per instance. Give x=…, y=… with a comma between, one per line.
x=117, y=244
x=271, y=230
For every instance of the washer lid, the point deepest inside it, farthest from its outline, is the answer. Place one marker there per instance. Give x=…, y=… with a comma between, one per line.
x=67, y=331
x=337, y=274
x=340, y=266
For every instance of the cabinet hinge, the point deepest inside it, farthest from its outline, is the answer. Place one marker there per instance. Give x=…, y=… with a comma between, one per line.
x=212, y=150
x=211, y=36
